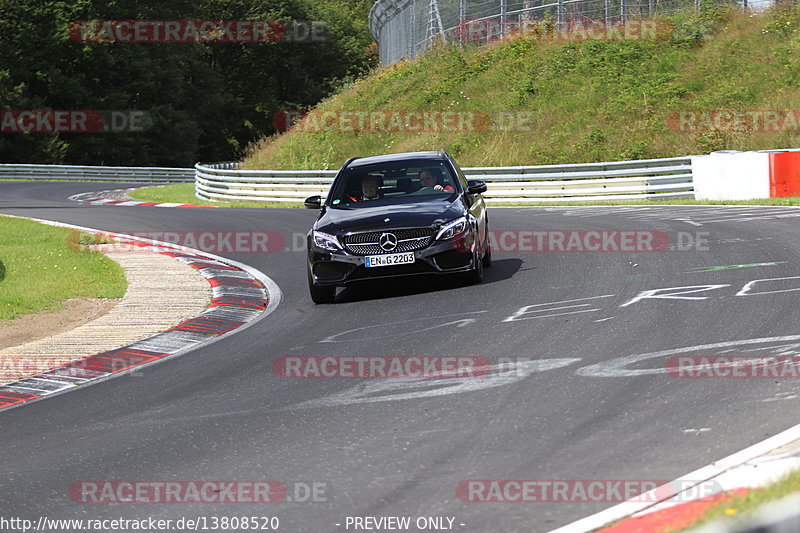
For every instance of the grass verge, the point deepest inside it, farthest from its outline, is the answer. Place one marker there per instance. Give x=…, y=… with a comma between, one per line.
x=183, y=193
x=38, y=269
x=555, y=102
x=737, y=508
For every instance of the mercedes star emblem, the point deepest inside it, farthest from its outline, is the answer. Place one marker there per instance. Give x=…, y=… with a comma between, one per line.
x=388, y=242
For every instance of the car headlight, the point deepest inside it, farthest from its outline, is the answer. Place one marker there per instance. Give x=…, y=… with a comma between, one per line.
x=326, y=241
x=452, y=229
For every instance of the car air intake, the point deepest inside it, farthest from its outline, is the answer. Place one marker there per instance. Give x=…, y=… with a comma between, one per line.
x=452, y=259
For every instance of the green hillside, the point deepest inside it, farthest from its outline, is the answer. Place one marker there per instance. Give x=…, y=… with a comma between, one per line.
x=575, y=101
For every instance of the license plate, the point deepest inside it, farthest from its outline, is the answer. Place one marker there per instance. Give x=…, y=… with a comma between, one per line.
x=389, y=259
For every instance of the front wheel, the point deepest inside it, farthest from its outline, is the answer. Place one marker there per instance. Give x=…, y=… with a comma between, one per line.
x=321, y=295
x=476, y=275
x=487, y=255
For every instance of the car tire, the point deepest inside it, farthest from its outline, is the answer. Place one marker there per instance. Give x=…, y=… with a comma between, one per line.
x=487, y=255
x=321, y=295
x=476, y=274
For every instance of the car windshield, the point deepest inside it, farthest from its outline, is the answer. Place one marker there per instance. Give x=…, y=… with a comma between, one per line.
x=392, y=183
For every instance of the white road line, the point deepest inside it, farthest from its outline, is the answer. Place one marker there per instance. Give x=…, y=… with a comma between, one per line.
x=463, y=321
x=559, y=314
x=575, y=300
x=646, y=501
x=548, y=309
x=692, y=222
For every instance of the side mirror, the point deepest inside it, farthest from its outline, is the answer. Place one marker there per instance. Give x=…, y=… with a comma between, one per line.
x=313, y=202
x=476, y=186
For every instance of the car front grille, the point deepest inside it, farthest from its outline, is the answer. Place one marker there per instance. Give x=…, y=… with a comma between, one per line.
x=368, y=242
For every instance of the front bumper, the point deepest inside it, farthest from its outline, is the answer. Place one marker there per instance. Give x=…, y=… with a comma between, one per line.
x=342, y=268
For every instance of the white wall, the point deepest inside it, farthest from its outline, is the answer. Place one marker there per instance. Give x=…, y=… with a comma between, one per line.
x=731, y=176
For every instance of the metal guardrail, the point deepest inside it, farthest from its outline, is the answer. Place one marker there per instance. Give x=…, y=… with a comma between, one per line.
x=97, y=173
x=620, y=180
x=224, y=181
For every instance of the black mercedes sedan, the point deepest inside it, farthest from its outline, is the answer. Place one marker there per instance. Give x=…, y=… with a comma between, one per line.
x=397, y=215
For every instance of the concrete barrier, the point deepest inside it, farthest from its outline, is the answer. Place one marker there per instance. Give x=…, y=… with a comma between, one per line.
x=731, y=175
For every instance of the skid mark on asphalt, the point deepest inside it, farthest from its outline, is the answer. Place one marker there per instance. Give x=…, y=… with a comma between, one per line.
x=782, y=396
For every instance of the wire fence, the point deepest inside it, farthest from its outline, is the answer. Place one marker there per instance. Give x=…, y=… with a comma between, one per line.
x=404, y=28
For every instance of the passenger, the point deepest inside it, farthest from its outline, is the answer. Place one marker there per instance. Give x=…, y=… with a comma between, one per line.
x=432, y=177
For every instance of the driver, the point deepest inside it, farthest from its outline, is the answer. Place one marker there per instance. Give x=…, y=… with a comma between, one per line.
x=430, y=177
x=369, y=190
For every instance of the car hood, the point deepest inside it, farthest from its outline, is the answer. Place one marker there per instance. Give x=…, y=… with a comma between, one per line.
x=406, y=215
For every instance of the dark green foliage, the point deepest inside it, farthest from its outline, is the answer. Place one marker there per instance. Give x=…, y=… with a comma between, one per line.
x=205, y=101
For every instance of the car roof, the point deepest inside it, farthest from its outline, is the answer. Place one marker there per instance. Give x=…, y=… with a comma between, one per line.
x=391, y=158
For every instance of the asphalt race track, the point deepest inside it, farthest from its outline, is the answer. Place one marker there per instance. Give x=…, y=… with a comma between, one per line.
x=563, y=404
